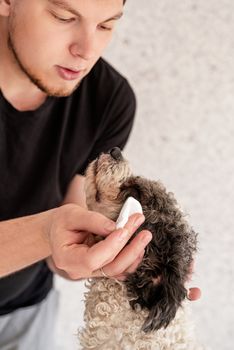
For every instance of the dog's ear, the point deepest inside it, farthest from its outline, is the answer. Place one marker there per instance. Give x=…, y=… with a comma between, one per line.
x=161, y=293
x=162, y=300
x=131, y=187
x=163, y=310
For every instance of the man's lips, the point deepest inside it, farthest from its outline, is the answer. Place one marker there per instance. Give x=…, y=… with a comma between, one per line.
x=69, y=74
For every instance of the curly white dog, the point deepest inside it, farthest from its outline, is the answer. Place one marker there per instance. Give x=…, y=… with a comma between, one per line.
x=148, y=311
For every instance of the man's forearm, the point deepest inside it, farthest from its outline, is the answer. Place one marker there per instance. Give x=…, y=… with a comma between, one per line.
x=23, y=241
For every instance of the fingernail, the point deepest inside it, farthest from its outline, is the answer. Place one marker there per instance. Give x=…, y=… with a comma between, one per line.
x=146, y=238
x=188, y=295
x=110, y=226
x=139, y=220
x=123, y=234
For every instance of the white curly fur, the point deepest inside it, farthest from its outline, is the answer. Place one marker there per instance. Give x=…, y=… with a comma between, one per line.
x=111, y=324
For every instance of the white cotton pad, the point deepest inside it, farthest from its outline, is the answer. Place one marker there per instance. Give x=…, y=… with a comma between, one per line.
x=130, y=207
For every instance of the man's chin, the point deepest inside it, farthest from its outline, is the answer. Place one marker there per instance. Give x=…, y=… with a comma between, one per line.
x=60, y=93
x=52, y=87
x=55, y=91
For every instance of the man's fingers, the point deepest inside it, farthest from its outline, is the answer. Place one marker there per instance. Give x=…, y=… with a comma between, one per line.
x=78, y=256
x=102, y=252
x=80, y=219
x=132, y=268
x=129, y=258
x=106, y=250
x=194, y=294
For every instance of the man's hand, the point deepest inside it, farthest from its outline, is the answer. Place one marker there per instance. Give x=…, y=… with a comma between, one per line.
x=75, y=254
x=193, y=293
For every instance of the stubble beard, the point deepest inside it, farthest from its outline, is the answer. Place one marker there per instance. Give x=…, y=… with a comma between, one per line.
x=33, y=77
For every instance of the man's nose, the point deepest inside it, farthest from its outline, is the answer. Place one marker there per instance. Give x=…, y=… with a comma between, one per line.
x=84, y=46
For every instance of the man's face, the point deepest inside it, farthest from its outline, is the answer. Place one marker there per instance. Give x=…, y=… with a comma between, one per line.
x=57, y=42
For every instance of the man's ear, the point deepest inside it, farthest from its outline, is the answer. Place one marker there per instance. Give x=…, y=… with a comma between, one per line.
x=5, y=7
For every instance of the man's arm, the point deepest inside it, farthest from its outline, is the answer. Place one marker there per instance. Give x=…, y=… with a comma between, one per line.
x=75, y=192
x=63, y=233
x=24, y=241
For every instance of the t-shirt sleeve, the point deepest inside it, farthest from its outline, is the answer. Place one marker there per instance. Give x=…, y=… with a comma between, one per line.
x=117, y=121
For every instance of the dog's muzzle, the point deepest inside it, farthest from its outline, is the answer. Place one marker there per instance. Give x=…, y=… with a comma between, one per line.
x=116, y=154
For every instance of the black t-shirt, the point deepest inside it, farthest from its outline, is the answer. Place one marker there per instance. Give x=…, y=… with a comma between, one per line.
x=42, y=150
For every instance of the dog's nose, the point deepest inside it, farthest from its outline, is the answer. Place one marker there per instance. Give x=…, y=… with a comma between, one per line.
x=116, y=153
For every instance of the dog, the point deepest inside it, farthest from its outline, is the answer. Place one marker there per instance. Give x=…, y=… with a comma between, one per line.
x=154, y=293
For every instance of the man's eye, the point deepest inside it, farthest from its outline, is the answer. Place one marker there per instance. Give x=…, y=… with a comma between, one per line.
x=105, y=28
x=62, y=19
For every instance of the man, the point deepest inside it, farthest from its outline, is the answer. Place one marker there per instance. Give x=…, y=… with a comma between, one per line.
x=60, y=106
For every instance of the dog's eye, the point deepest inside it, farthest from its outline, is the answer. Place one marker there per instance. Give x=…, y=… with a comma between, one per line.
x=97, y=197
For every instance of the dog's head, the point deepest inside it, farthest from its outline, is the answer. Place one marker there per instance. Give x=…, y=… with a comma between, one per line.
x=104, y=176
x=158, y=284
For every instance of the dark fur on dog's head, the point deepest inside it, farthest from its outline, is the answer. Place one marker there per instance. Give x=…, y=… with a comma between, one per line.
x=158, y=284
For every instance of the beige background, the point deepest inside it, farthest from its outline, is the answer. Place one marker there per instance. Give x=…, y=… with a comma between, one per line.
x=179, y=58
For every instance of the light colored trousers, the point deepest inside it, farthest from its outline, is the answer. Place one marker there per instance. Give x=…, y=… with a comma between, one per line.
x=30, y=328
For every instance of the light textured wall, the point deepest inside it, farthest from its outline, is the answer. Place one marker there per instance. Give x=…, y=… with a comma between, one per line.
x=179, y=58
